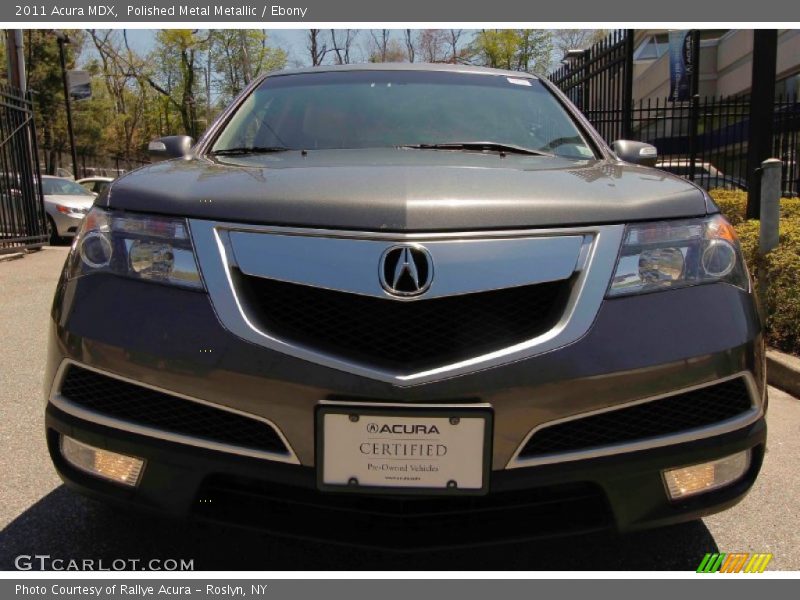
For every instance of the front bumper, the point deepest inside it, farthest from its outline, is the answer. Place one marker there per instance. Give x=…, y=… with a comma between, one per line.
x=171, y=339
x=623, y=492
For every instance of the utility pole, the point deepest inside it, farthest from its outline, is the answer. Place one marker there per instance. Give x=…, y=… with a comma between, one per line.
x=16, y=59
x=762, y=112
x=62, y=40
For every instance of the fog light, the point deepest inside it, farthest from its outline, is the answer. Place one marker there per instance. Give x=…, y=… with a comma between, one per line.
x=102, y=463
x=705, y=477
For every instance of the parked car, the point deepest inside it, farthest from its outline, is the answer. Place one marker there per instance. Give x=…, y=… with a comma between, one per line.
x=407, y=306
x=706, y=175
x=66, y=204
x=95, y=184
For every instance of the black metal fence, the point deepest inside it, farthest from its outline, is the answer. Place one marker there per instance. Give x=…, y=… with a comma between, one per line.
x=23, y=223
x=599, y=81
x=89, y=165
x=712, y=134
x=93, y=165
x=717, y=145
x=705, y=140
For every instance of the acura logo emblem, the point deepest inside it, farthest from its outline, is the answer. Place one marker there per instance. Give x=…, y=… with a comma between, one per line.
x=406, y=270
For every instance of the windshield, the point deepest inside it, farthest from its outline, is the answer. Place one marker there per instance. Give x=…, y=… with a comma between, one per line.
x=62, y=187
x=379, y=109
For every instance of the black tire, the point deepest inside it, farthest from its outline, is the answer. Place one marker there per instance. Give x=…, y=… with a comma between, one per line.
x=52, y=230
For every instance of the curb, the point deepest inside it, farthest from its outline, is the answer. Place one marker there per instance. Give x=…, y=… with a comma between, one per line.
x=11, y=256
x=783, y=372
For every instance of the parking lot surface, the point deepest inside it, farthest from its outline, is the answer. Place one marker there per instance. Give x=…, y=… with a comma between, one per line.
x=39, y=516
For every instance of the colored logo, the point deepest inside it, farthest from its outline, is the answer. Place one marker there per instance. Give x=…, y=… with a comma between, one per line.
x=741, y=562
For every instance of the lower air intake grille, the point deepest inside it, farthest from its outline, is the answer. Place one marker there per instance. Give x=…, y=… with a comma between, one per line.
x=671, y=415
x=404, y=522
x=403, y=335
x=138, y=405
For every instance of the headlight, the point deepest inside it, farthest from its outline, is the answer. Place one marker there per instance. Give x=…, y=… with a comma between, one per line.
x=144, y=247
x=71, y=211
x=673, y=254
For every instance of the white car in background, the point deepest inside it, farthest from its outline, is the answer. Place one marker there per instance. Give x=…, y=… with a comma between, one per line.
x=95, y=184
x=706, y=175
x=66, y=203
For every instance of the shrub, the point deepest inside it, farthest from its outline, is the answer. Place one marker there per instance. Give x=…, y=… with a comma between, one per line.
x=732, y=204
x=782, y=265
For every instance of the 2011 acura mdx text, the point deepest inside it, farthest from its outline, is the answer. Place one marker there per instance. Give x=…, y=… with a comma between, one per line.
x=407, y=306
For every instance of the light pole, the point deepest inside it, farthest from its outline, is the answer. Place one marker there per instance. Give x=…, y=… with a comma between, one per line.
x=64, y=39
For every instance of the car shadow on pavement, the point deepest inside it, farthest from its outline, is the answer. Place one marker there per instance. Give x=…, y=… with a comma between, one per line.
x=66, y=526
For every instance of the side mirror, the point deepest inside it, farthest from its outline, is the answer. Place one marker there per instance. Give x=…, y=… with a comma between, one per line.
x=171, y=146
x=637, y=153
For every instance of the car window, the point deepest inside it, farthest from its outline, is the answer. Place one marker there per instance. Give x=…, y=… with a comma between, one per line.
x=62, y=187
x=370, y=109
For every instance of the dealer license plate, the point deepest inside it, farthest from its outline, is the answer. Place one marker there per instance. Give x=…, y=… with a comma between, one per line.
x=403, y=451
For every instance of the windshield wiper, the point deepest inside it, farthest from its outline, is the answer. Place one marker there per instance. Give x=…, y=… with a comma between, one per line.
x=249, y=150
x=491, y=146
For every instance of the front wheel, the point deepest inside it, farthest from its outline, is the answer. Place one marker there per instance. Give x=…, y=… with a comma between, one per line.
x=52, y=231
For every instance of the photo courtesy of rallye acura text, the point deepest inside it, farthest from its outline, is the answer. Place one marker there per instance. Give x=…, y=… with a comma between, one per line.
x=407, y=306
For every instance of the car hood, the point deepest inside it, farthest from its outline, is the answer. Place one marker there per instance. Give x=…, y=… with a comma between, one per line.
x=405, y=190
x=74, y=201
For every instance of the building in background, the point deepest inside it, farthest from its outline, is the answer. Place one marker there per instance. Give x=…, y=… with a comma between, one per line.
x=726, y=62
x=623, y=86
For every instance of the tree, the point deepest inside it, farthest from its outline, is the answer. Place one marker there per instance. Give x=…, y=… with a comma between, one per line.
x=456, y=53
x=177, y=53
x=3, y=74
x=431, y=45
x=122, y=91
x=384, y=48
x=317, y=48
x=527, y=50
x=234, y=58
x=43, y=75
x=342, y=45
x=411, y=51
x=535, y=49
x=379, y=50
x=565, y=40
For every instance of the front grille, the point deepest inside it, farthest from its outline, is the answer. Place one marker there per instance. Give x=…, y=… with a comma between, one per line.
x=698, y=408
x=403, y=335
x=403, y=522
x=138, y=405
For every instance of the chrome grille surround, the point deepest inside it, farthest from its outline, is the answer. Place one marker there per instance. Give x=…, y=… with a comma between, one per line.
x=220, y=249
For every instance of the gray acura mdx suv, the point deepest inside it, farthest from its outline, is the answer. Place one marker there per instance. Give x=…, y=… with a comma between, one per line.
x=407, y=306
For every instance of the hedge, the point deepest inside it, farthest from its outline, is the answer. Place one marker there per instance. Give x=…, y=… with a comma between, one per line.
x=782, y=303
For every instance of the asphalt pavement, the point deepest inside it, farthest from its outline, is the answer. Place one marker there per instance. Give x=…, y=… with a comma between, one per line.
x=39, y=516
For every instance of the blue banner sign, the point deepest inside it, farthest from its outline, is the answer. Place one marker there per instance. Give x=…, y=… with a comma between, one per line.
x=681, y=65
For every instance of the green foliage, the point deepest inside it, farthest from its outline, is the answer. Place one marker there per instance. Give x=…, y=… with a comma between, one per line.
x=238, y=55
x=781, y=266
x=178, y=87
x=514, y=49
x=43, y=71
x=733, y=204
